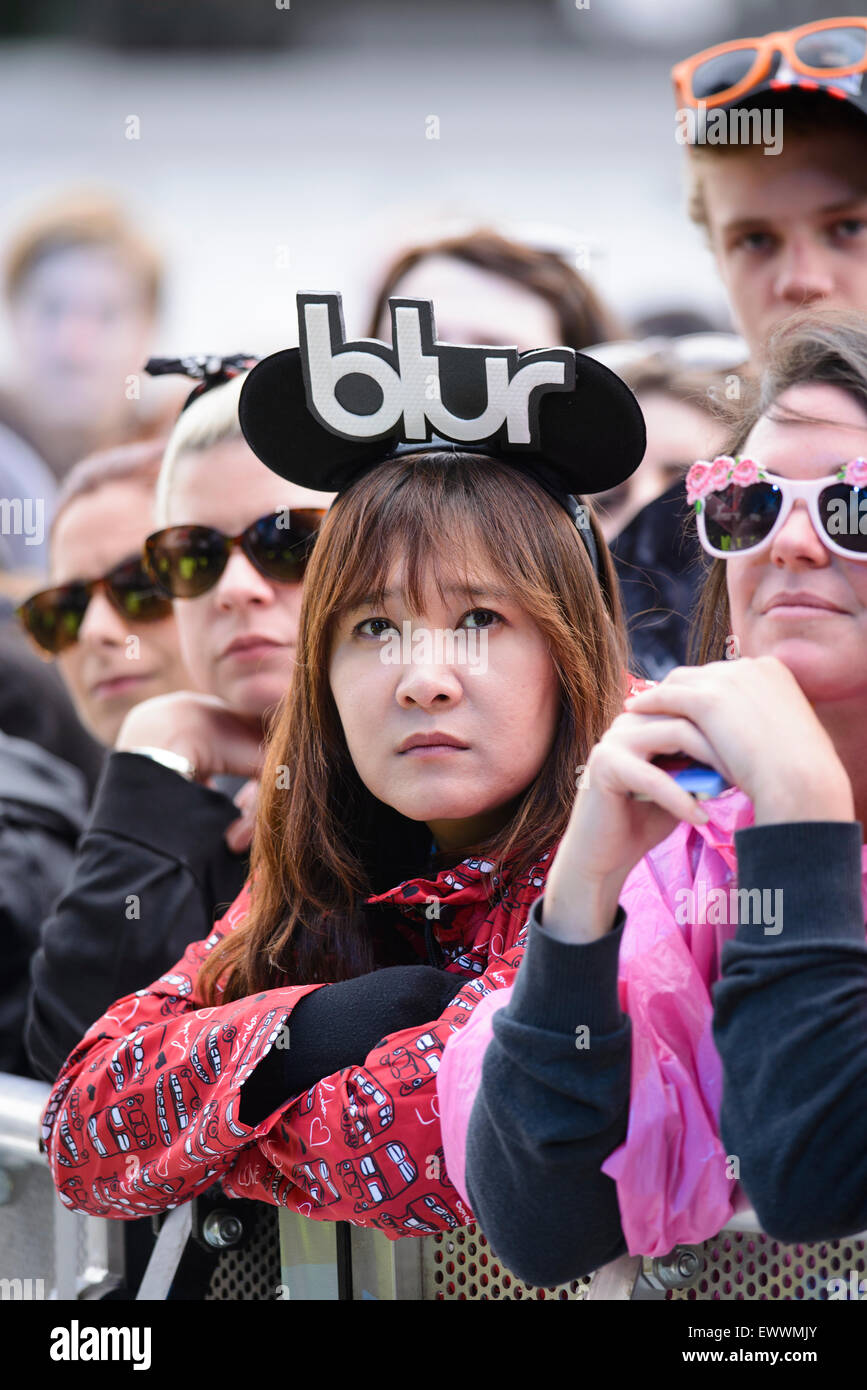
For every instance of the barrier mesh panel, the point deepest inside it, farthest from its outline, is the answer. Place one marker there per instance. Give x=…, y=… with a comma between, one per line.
x=27, y=1226
x=461, y=1265
x=251, y=1272
x=741, y=1265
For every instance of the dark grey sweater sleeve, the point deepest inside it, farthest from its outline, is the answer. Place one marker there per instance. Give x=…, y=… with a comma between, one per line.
x=550, y=1110
x=790, y=1023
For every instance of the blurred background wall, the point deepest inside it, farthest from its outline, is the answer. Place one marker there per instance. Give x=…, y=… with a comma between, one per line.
x=276, y=145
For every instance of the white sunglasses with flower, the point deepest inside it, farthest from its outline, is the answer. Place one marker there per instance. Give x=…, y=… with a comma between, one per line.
x=740, y=506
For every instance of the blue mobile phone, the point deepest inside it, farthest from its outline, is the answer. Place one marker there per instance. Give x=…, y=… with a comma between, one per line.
x=702, y=782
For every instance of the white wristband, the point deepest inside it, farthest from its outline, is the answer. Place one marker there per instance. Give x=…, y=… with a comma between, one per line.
x=175, y=761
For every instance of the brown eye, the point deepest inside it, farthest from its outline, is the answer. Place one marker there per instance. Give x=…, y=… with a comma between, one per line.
x=375, y=627
x=484, y=616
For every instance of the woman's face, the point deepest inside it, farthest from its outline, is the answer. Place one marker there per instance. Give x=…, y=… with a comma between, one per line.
x=81, y=324
x=796, y=600
x=471, y=675
x=116, y=662
x=239, y=638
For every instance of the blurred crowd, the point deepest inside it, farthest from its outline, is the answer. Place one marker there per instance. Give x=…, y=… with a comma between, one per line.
x=151, y=589
x=84, y=429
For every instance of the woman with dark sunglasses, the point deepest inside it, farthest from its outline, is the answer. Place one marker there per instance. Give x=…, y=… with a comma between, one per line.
x=231, y=551
x=114, y=641
x=165, y=845
x=581, y=1115
x=109, y=627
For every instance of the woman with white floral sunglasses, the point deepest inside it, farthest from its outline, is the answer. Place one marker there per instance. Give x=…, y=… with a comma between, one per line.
x=611, y=1059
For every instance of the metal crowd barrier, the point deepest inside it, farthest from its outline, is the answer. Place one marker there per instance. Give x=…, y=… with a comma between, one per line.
x=741, y=1263
x=47, y=1251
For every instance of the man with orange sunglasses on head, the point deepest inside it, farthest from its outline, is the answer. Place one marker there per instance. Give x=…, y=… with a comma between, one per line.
x=787, y=232
x=790, y=231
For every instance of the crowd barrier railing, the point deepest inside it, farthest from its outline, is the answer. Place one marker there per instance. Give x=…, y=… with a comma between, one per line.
x=47, y=1251
x=741, y=1262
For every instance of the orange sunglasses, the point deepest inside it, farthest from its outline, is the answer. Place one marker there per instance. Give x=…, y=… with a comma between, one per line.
x=825, y=48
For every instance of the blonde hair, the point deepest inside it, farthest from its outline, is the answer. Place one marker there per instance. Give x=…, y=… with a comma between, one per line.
x=210, y=420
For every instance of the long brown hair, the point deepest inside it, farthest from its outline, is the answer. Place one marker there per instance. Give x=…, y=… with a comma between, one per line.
x=826, y=348
x=323, y=843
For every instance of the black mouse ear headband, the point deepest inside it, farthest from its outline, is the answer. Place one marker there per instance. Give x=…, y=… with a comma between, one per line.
x=323, y=414
x=206, y=370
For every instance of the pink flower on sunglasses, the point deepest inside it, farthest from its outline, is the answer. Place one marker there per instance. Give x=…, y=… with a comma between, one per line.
x=720, y=472
x=746, y=471
x=698, y=481
x=855, y=473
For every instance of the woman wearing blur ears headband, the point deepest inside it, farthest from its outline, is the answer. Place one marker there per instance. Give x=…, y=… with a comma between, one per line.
x=460, y=649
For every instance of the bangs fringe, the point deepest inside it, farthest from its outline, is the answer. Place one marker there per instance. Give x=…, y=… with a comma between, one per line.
x=448, y=531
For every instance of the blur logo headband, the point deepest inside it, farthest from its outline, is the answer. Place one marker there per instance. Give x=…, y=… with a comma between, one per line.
x=365, y=390
x=329, y=411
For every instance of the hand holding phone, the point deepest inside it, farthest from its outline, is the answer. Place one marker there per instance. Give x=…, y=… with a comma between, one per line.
x=702, y=782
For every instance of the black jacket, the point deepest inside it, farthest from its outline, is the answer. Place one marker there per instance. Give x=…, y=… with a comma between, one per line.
x=43, y=804
x=659, y=564
x=152, y=873
x=34, y=703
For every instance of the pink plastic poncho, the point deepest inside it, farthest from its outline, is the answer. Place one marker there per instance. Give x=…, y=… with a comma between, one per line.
x=672, y=1183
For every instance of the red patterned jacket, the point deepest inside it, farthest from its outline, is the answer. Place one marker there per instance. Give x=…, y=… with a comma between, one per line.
x=145, y=1110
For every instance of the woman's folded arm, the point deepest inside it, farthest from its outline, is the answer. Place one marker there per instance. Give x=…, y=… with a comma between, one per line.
x=790, y=1023
x=152, y=1105
x=552, y=1104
